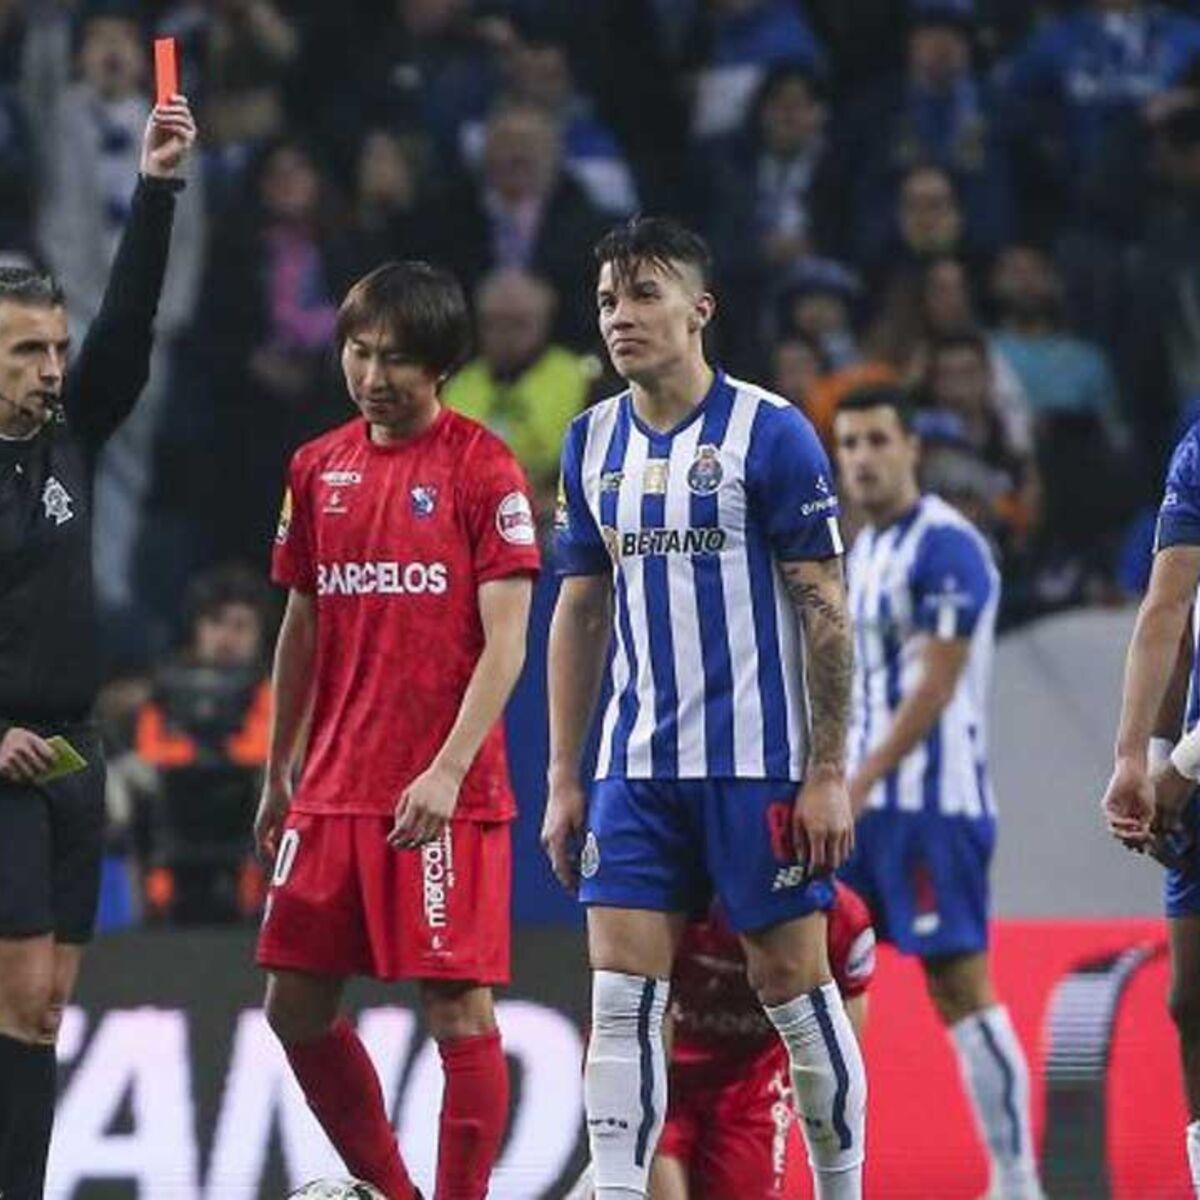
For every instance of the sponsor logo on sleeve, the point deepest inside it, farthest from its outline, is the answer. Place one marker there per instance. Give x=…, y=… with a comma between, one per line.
x=514, y=520
x=285, y=518
x=826, y=499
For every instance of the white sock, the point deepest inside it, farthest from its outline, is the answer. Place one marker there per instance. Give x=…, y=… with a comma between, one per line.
x=996, y=1077
x=625, y=1081
x=1193, y=1153
x=829, y=1086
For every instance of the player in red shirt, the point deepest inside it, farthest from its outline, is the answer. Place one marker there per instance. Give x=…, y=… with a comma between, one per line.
x=730, y=1131
x=407, y=545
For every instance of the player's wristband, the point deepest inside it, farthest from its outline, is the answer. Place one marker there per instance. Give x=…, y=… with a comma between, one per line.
x=1185, y=758
x=1158, y=753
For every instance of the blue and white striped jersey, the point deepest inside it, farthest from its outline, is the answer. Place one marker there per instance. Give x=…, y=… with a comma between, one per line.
x=707, y=666
x=1179, y=525
x=930, y=574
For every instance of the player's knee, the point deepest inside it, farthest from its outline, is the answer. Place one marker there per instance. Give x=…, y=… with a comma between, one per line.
x=779, y=978
x=293, y=1019
x=28, y=1010
x=958, y=988
x=458, y=1012
x=1183, y=1003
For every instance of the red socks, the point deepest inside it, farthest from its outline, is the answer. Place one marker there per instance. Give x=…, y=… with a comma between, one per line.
x=340, y=1084
x=474, y=1115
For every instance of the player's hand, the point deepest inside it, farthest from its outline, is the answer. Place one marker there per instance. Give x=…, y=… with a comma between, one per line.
x=562, y=827
x=273, y=807
x=822, y=821
x=24, y=755
x=1128, y=804
x=169, y=137
x=425, y=809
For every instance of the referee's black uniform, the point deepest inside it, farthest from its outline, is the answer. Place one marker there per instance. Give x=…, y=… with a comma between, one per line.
x=51, y=835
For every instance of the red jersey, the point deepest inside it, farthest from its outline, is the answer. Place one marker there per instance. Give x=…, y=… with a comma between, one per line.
x=394, y=542
x=718, y=1018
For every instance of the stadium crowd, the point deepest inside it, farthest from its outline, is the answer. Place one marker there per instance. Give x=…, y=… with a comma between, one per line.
x=993, y=204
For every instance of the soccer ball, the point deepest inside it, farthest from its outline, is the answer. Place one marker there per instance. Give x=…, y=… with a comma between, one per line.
x=336, y=1189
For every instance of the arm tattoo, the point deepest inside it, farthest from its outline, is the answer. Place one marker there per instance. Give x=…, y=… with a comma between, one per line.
x=817, y=591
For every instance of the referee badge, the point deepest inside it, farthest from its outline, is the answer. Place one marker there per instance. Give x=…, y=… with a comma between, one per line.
x=58, y=502
x=705, y=474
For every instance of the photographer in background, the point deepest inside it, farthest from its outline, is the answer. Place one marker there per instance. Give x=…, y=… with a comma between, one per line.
x=190, y=781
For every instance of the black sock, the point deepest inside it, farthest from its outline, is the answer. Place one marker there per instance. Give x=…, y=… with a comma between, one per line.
x=27, y=1094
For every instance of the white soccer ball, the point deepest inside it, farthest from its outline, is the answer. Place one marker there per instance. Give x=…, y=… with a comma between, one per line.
x=336, y=1189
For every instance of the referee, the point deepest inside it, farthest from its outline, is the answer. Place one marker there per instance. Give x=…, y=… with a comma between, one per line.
x=51, y=431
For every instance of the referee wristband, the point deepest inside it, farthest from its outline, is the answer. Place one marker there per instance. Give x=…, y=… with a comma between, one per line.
x=1185, y=758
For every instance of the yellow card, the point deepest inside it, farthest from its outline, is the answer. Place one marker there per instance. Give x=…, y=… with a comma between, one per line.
x=67, y=760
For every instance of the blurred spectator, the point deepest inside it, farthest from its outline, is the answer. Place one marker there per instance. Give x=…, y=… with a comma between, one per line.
x=818, y=299
x=1061, y=375
x=200, y=740
x=958, y=381
x=937, y=113
x=537, y=71
x=1075, y=77
x=934, y=301
x=736, y=42
x=384, y=221
x=88, y=135
x=759, y=182
x=268, y=317
x=522, y=386
x=249, y=48
x=524, y=212
x=16, y=149
x=1161, y=327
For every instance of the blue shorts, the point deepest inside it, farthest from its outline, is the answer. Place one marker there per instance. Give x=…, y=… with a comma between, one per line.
x=667, y=845
x=1181, y=886
x=924, y=877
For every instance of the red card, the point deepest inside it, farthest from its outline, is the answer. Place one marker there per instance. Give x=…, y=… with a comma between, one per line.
x=166, y=69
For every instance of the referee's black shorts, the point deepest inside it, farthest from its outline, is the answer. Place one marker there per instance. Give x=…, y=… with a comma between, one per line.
x=51, y=845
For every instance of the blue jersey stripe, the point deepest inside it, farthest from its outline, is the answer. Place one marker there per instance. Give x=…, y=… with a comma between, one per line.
x=710, y=605
x=931, y=781
x=776, y=745
x=627, y=703
x=664, y=741
x=891, y=655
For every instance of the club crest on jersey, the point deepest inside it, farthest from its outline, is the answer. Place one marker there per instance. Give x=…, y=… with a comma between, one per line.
x=514, y=520
x=424, y=499
x=58, y=502
x=706, y=473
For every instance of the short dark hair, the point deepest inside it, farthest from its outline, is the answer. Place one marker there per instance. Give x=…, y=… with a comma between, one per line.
x=231, y=583
x=23, y=285
x=658, y=241
x=423, y=307
x=880, y=395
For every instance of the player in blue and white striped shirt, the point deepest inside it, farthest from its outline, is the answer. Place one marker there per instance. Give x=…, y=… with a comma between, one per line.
x=697, y=531
x=923, y=595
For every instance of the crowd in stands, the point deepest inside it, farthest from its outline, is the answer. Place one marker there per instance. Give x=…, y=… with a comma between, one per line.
x=993, y=203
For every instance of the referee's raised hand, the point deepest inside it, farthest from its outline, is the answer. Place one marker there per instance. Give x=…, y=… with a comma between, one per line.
x=24, y=755
x=169, y=137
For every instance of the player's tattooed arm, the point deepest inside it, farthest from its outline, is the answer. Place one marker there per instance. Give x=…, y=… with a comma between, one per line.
x=818, y=591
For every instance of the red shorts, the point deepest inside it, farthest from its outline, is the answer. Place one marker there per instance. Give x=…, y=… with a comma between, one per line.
x=343, y=902
x=737, y=1137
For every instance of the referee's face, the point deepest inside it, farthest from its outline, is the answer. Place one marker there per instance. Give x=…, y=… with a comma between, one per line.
x=33, y=363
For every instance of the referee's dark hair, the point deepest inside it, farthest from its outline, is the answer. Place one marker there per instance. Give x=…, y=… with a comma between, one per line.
x=23, y=285
x=659, y=241
x=420, y=305
x=880, y=395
